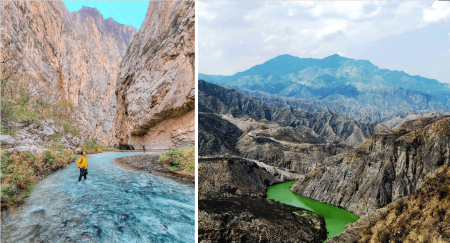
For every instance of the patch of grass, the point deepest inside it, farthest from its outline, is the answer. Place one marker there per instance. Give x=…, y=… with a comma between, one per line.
x=69, y=128
x=92, y=147
x=184, y=158
x=21, y=170
x=173, y=167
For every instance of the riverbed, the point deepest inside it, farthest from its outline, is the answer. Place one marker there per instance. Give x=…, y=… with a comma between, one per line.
x=335, y=218
x=115, y=204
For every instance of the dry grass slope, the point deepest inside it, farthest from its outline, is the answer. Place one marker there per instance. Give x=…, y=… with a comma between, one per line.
x=422, y=217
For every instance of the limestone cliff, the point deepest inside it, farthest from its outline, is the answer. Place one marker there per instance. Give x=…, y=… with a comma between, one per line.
x=78, y=54
x=385, y=167
x=155, y=86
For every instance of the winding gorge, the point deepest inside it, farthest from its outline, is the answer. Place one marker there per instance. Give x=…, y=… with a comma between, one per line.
x=131, y=87
x=75, y=81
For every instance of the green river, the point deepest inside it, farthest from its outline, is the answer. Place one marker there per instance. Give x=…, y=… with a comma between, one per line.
x=335, y=218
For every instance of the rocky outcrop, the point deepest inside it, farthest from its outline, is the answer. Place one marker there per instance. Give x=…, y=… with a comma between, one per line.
x=421, y=217
x=278, y=147
x=155, y=86
x=256, y=220
x=77, y=56
x=388, y=166
x=232, y=208
x=7, y=141
x=214, y=141
x=234, y=177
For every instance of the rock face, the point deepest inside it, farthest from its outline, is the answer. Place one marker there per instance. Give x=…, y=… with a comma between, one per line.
x=385, y=167
x=155, y=86
x=233, y=177
x=78, y=55
x=213, y=141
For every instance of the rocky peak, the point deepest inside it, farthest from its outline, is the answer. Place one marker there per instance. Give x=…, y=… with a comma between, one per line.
x=86, y=12
x=107, y=27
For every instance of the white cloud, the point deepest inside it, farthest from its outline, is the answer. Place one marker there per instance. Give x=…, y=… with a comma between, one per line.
x=331, y=30
x=203, y=11
x=263, y=30
x=439, y=12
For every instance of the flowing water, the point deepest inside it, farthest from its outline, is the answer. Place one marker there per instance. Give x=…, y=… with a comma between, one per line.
x=335, y=218
x=115, y=204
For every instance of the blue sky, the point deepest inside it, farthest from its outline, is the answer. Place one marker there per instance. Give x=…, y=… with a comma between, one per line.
x=124, y=12
x=411, y=36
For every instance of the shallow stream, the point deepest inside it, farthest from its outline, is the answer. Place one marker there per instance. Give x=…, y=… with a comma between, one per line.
x=335, y=218
x=115, y=204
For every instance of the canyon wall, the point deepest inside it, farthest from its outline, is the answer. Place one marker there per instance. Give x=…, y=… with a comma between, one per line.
x=386, y=167
x=156, y=81
x=77, y=54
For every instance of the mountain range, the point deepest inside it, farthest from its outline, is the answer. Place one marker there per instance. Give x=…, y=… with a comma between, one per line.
x=356, y=88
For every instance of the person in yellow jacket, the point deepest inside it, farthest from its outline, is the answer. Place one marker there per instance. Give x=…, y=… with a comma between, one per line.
x=82, y=163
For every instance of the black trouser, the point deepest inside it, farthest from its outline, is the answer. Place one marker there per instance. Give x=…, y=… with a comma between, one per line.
x=83, y=172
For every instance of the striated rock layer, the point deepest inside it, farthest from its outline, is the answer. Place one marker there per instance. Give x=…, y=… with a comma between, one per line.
x=155, y=86
x=78, y=55
x=384, y=168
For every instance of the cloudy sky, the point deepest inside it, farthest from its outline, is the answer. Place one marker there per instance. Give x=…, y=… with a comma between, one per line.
x=410, y=36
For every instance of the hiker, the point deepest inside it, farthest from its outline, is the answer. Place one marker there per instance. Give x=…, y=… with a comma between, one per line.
x=143, y=147
x=82, y=163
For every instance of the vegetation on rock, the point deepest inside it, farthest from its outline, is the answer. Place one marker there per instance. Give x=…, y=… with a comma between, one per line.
x=92, y=147
x=23, y=102
x=183, y=158
x=422, y=217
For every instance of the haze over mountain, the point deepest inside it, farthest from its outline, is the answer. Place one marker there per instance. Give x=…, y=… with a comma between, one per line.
x=356, y=88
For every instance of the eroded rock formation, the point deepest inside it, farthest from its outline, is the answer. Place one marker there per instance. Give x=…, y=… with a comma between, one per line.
x=155, y=87
x=78, y=55
x=384, y=168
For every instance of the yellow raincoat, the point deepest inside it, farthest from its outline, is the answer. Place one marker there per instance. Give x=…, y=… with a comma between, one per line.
x=82, y=162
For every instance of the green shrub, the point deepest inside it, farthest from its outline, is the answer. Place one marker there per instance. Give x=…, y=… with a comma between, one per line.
x=183, y=158
x=19, y=171
x=92, y=147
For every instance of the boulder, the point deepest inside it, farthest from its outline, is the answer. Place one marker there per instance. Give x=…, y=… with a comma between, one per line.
x=7, y=141
x=48, y=131
x=32, y=148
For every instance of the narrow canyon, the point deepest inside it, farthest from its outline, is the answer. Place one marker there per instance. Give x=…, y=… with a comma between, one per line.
x=130, y=87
